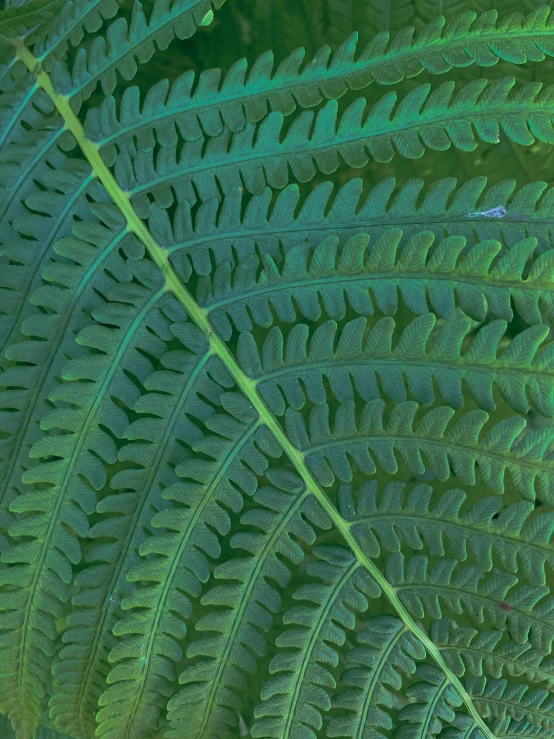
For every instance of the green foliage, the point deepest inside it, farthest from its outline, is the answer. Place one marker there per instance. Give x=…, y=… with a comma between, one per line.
x=277, y=377
x=18, y=21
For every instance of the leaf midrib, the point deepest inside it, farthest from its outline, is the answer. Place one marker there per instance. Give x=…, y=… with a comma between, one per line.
x=23, y=104
x=458, y=523
x=43, y=251
x=366, y=359
x=488, y=602
x=431, y=707
x=322, y=616
x=110, y=62
x=476, y=452
x=448, y=277
x=78, y=21
x=374, y=679
x=482, y=654
x=24, y=174
x=541, y=715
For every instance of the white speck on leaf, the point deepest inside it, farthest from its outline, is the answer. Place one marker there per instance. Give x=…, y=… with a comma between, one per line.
x=498, y=212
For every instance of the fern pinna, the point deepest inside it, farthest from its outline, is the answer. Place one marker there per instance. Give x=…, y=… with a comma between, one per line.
x=276, y=441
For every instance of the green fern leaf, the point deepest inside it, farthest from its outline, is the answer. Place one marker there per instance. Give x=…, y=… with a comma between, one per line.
x=384, y=654
x=128, y=42
x=72, y=469
x=215, y=231
x=364, y=362
x=441, y=443
x=486, y=530
x=231, y=642
x=239, y=97
x=467, y=650
x=19, y=21
x=177, y=563
x=255, y=157
x=276, y=442
x=294, y=698
x=364, y=279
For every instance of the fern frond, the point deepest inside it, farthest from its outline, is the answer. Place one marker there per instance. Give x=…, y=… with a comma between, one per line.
x=443, y=443
x=448, y=588
x=53, y=514
x=33, y=155
x=127, y=43
x=103, y=62
x=264, y=471
x=177, y=562
x=257, y=156
x=22, y=102
x=19, y=21
x=432, y=706
x=26, y=114
x=366, y=276
x=30, y=159
x=51, y=156
x=504, y=702
x=496, y=534
x=295, y=697
x=468, y=651
x=525, y=215
x=217, y=232
x=384, y=655
x=69, y=26
x=213, y=101
x=79, y=675
x=360, y=359
x=231, y=642
x=70, y=288
x=54, y=204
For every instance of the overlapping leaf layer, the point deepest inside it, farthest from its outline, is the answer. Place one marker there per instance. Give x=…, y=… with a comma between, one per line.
x=276, y=420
